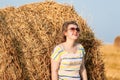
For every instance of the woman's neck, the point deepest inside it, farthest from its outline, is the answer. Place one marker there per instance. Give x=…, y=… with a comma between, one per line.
x=70, y=43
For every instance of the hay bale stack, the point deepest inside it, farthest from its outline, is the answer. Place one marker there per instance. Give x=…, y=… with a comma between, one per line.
x=29, y=33
x=117, y=42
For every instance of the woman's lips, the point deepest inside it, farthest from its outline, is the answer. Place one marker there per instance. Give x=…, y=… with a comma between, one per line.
x=75, y=34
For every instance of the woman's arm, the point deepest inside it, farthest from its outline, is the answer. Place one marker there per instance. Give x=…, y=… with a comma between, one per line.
x=83, y=71
x=54, y=69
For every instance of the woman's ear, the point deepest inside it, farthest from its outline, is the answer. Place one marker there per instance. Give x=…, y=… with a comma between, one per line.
x=65, y=33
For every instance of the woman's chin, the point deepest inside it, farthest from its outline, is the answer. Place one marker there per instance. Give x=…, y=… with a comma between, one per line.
x=75, y=38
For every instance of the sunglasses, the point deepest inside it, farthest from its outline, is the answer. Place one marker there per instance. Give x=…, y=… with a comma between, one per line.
x=73, y=29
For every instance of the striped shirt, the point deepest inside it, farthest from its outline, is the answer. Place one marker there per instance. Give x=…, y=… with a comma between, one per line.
x=69, y=62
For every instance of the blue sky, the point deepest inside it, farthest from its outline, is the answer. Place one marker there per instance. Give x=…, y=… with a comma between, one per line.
x=103, y=16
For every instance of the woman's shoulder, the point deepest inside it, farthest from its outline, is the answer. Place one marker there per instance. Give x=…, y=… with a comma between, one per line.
x=59, y=46
x=80, y=46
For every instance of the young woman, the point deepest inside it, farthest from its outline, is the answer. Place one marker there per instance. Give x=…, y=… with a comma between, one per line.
x=67, y=59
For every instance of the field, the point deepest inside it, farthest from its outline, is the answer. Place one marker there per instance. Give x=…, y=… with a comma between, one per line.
x=111, y=56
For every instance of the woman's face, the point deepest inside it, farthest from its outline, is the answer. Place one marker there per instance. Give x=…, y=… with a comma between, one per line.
x=72, y=32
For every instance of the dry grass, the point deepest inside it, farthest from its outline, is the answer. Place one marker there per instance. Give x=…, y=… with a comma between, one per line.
x=29, y=33
x=117, y=41
x=112, y=61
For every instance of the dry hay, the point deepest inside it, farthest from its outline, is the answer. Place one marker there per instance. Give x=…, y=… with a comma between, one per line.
x=117, y=42
x=29, y=33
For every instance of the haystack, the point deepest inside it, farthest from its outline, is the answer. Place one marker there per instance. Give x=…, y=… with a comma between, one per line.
x=29, y=33
x=117, y=42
